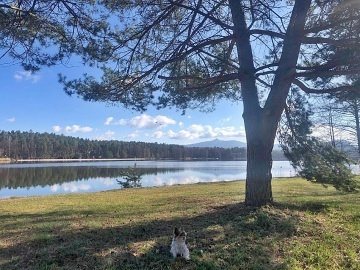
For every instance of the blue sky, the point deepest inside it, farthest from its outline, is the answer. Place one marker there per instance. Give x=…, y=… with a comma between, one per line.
x=37, y=102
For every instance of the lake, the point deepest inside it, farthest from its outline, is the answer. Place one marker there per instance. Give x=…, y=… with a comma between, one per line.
x=34, y=179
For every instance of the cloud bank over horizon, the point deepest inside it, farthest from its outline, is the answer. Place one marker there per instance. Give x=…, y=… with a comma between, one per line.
x=144, y=127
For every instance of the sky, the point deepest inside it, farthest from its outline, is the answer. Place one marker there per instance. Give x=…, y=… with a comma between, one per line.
x=37, y=102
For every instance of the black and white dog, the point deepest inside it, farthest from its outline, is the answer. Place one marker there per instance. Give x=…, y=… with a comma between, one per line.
x=178, y=245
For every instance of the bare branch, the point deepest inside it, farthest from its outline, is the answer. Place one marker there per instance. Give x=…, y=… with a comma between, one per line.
x=267, y=33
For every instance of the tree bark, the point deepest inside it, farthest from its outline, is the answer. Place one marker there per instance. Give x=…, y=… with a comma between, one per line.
x=260, y=138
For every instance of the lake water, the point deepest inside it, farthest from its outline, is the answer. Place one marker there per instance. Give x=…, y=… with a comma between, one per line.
x=35, y=179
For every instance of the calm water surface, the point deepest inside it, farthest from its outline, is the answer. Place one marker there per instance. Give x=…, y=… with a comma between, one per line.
x=75, y=177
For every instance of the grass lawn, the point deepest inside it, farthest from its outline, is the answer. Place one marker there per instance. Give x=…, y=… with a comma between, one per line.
x=309, y=227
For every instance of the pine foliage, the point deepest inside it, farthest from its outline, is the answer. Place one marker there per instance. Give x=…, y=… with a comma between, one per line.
x=314, y=159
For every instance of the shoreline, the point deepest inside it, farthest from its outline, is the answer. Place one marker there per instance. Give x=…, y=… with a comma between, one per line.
x=40, y=160
x=79, y=159
x=5, y=160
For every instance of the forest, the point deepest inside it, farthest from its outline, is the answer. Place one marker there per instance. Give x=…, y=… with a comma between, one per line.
x=33, y=145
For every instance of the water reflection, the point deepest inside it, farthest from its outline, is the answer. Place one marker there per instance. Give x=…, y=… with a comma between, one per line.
x=56, y=178
x=43, y=176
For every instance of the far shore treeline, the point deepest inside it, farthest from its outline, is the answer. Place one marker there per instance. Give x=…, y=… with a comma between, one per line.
x=33, y=145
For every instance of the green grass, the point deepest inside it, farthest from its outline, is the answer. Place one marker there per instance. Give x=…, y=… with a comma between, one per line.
x=309, y=227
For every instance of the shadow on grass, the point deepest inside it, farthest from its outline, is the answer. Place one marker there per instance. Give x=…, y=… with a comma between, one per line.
x=227, y=237
x=312, y=207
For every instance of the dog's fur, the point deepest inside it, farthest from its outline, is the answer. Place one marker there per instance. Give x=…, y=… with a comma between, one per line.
x=178, y=245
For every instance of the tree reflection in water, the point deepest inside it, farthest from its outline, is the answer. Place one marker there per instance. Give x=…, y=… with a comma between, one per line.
x=35, y=175
x=132, y=177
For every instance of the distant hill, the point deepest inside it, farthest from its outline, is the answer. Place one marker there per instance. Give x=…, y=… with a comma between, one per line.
x=219, y=143
x=277, y=152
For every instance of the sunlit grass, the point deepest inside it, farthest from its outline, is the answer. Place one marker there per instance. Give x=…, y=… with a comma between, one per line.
x=309, y=227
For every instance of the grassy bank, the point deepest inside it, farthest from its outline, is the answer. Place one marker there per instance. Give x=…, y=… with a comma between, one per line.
x=309, y=227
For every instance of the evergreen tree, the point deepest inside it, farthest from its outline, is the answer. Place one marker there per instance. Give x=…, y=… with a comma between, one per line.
x=315, y=160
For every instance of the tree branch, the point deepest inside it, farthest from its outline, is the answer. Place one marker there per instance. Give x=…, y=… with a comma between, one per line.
x=216, y=79
x=317, y=40
x=206, y=15
x=327, y=73
x=307, y=40
x=16, y=9
x=309, y=90
x=267, y=33
x=161, y=64
x=323, y=27
x=289, y=57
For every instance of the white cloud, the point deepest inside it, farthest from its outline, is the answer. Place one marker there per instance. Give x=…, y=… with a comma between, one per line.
x=158, y=134
x=72, y=129
x=77, y=128
x=148, y=122
x=183, y=135
x=133, y=135
x=206, y=131
x=229, y=132
x=26, y=76
x=56, y=128
x=122, y=122
x=108, y=121
x=196, y=128
x=11, y=120
x=143, y=121
x=108, y=135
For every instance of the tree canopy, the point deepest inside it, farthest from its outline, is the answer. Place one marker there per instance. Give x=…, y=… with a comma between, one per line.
x=190, y=54
x=188, y=49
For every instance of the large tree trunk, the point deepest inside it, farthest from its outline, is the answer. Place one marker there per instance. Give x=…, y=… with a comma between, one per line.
x=261, y=122
x=260, y=136
x=258, y=178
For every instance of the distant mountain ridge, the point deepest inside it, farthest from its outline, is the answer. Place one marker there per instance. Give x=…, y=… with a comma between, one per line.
x=276, y=153
x=218, y=143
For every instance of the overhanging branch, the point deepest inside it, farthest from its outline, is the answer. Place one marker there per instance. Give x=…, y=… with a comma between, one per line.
x=215, y=79
x=16, y=9
x=327, y=73
x=327, y=26
x=307, y=40
x=309, y=90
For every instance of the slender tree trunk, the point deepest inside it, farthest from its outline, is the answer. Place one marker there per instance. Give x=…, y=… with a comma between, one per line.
x=357, y=122
x=332, y=134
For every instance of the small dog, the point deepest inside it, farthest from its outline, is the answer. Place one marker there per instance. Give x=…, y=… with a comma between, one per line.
x=178, y=245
